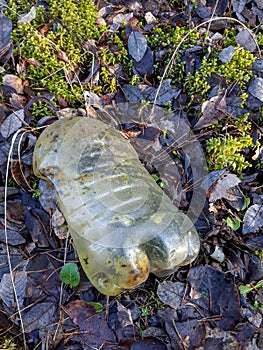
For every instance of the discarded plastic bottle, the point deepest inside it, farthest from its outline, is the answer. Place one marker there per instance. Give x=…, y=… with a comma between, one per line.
x=123, y=225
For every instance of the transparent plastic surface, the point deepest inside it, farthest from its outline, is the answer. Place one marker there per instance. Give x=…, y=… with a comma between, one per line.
x=123, y=225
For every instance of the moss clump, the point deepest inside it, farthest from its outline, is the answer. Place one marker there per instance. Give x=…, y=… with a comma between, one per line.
x=236, y=70
x=197, y=83
x=53, y=42
x=117, y=55
x=229, y=149
x=167, y=36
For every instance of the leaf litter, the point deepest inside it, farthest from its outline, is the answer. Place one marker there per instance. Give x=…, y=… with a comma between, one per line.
x=201, y=306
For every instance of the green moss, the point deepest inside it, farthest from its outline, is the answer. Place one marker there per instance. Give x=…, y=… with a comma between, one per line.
x=230, y=37
x=53, y=57
x=160, y=37
x=229, y=148
x=236, y=70
x=7, y=341
x=108, y=80
x=117, y=55
x=178, y=4
x=40, y=109
x=197, y=83
x=260, y=39
x=167, y=36
x=163, y=36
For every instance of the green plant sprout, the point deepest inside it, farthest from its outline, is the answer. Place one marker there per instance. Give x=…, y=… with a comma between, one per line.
x=69, y=274
x=234, y=223
x=146, y=311
x=247, y=288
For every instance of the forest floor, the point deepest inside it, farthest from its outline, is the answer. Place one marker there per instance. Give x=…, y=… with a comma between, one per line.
x=183, y=83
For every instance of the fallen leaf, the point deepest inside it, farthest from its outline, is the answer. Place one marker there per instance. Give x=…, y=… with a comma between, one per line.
x=13, y=237
x=259, y=4
x=15, y=211
x=221, y=6
x=253, y=219
x=218, y=254
x=218, y=183
x=5, y=37
x=7, y=292
x=37, y=222
x=145, y=65
x=96, y=331
x=217, y=339
x=239, y=5
x=3, y=4
x=48, y=198
x=137, y=45
x=28, y=17
x=171, y=293
x=16, y=257
x=247, y=39
x=12, y=123
x=14, y=81
x=257, y=65
x=39, y=316
x=185, y=331
x=221, y=294
x=132, y=93
x=255, y=243
x=227, y=54
x=18, y=101
x=18, y=173
x=120, y=321
x=148, y=344
x=213, y=110
x=256, y=88
x=166, y=93
x=122, y=18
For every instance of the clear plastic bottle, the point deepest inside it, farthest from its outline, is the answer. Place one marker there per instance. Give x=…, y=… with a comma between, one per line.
x=122, y=223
